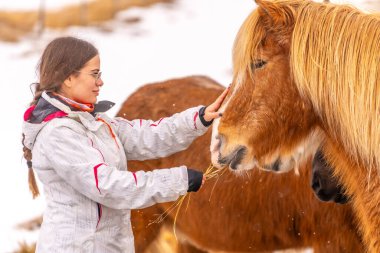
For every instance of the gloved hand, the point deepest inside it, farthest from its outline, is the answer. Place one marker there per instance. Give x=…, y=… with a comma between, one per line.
x=196, y=180
x=209, y=113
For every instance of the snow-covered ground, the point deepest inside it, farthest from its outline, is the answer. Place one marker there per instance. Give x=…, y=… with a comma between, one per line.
x=187, y=38
x=35, y=4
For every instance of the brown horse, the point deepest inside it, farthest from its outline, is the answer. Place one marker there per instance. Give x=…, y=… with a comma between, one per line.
x=254, y=212
x=300, y=68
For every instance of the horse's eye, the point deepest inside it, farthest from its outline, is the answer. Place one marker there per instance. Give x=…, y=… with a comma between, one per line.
x=258, y=64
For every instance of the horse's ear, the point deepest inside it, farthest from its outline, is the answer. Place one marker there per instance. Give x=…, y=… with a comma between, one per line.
x=276, y=14
x=278, y=18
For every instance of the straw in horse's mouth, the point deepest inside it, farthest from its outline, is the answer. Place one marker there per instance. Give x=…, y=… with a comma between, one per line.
x=233, y=159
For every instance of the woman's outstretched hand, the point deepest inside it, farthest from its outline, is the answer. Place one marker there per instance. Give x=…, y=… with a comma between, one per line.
x=211, y=111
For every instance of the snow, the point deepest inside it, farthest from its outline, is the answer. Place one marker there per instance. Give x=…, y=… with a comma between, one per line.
x=27, y=5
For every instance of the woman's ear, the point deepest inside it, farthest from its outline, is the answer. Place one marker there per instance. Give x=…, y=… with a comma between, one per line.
x=68, y=82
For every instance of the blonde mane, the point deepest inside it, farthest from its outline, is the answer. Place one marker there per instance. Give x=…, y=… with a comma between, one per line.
x=335, y=61
x=247, y=43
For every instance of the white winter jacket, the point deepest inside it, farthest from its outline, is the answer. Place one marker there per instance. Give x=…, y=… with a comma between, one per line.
x=82, y=162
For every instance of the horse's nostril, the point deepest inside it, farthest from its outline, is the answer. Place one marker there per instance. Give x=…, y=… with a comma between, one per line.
x=316, y=184
x=276, y=165
x=217, y=143
x=236, y=160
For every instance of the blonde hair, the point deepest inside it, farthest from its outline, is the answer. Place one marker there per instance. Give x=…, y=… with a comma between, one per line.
x=247, y=43
x=335, y=60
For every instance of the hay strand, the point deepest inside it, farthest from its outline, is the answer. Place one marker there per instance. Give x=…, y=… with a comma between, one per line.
x=211, y=172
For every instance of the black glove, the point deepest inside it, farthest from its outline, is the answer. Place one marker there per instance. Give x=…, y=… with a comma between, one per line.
x=201, y=117
x=195, y=180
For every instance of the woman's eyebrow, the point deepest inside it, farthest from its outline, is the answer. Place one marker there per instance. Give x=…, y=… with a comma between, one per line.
x=95, y=70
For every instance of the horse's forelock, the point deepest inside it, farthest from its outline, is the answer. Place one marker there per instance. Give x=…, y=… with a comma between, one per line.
x=335, y=64
x=269, y=18
x=247, y=42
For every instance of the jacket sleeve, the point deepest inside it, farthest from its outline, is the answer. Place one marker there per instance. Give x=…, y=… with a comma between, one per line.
x=81, y=165
x=145, y=139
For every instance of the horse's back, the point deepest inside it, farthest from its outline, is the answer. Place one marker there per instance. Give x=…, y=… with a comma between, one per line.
x=161, y=99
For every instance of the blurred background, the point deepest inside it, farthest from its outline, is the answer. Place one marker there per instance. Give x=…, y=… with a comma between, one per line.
x=140, y=41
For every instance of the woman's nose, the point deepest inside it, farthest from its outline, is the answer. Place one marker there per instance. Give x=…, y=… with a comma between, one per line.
x=99, y=82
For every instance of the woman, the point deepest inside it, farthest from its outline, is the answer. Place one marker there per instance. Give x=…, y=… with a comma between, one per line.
x=80, y=154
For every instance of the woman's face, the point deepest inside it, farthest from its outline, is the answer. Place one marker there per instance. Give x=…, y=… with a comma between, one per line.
x=84, y=86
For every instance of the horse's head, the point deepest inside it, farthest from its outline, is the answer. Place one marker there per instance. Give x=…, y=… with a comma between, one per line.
x=265, y=123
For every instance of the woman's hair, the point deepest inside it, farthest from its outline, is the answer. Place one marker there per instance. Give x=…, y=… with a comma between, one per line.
x=61, y=58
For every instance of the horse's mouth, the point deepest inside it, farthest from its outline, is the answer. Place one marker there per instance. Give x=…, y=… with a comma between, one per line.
x=275, y=166
x=233, y=159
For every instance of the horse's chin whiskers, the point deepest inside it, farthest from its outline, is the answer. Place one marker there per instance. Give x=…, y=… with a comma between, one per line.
x=241, y=173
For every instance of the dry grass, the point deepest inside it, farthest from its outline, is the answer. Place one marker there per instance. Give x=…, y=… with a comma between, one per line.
x=26, y=248
x=14, y=25
x=31, y=225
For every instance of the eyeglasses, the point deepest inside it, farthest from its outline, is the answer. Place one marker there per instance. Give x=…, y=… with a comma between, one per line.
x=96, y=75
